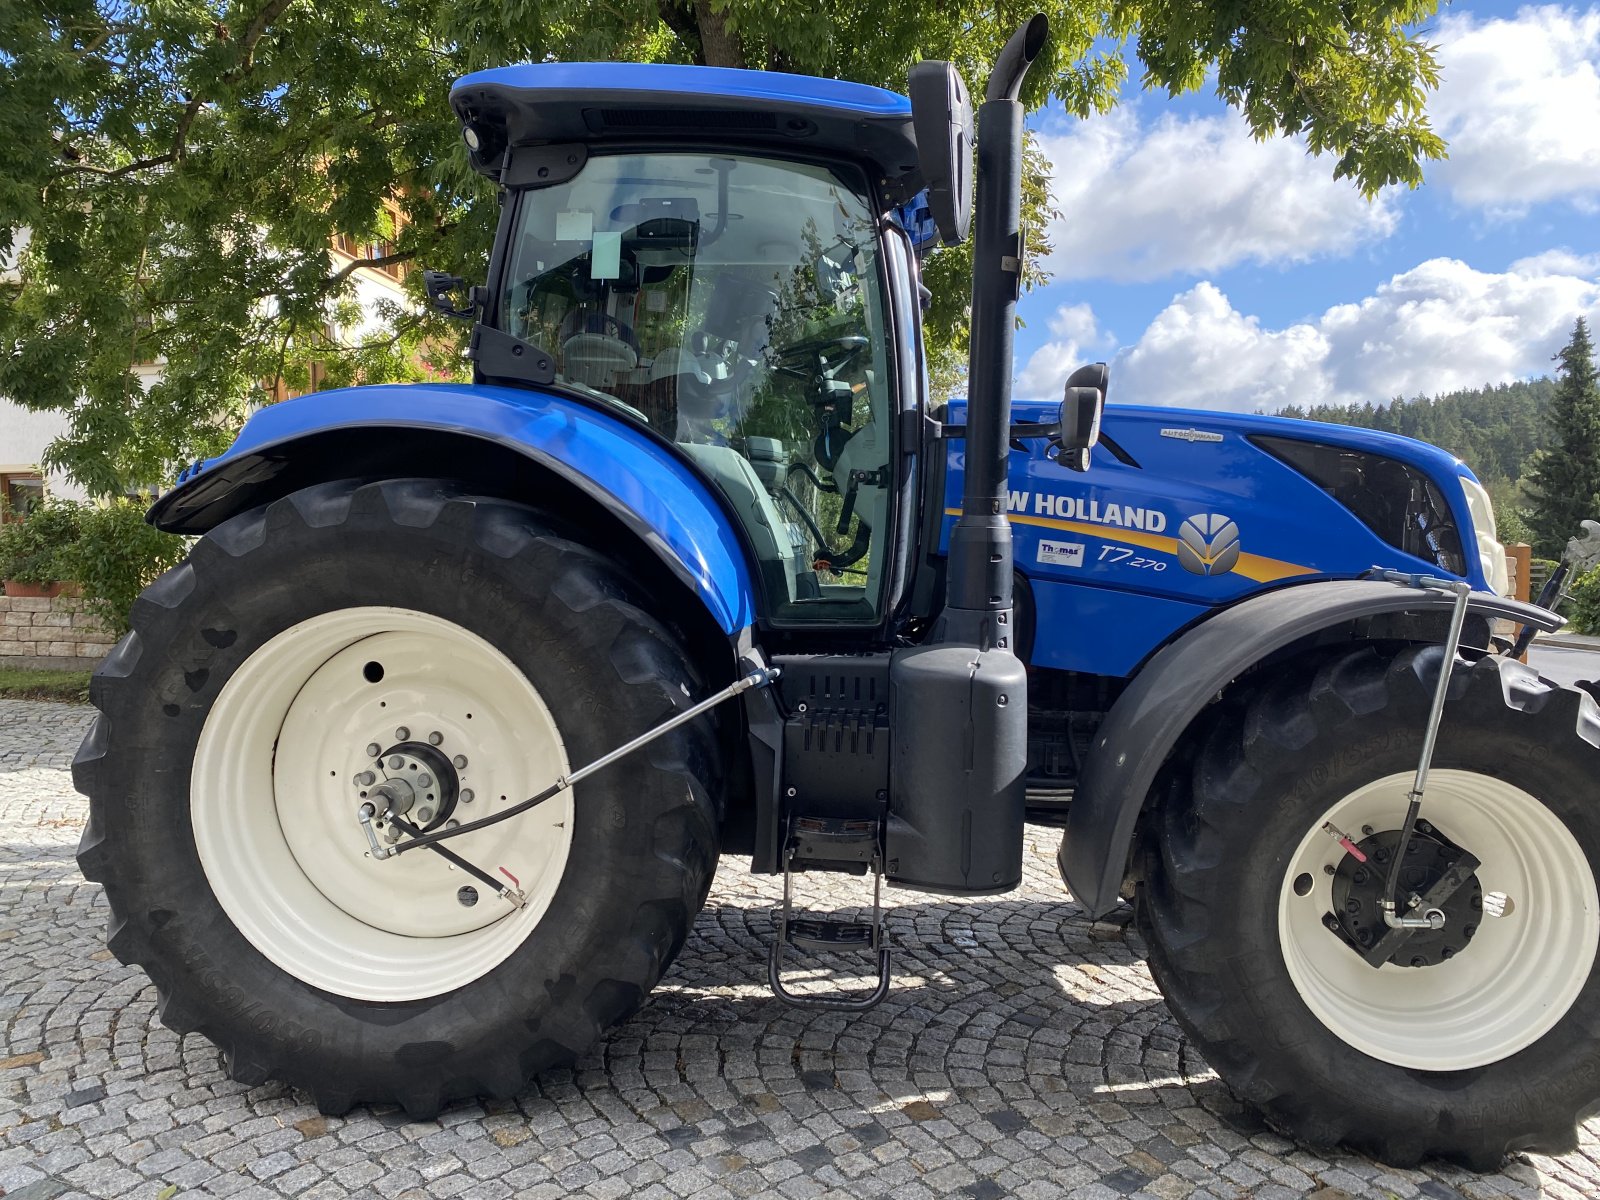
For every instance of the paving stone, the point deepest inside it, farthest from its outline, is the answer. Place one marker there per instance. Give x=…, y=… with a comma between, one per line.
x=1020, y=1054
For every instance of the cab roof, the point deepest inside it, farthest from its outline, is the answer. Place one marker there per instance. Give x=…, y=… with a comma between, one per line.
x=597, y=103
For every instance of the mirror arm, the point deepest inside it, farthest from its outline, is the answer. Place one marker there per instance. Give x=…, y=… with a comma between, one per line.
x=439, y=285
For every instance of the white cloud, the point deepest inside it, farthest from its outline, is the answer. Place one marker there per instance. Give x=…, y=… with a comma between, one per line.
x=1077, y=334
x=1520, y=106
x=1438, y=326
x=1196, y=195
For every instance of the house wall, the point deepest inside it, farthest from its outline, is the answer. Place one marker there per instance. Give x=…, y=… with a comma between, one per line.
x=24, y=434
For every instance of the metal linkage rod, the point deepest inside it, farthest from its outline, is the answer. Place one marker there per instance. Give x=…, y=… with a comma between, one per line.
x=759, y=677
x=1430, y=738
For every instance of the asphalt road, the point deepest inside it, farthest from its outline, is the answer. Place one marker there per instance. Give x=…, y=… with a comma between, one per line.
x=1565, y=665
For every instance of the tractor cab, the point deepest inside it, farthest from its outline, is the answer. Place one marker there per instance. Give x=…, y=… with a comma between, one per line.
x=704, y=253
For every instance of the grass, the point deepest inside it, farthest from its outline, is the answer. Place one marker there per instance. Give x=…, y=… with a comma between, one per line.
x=69, y=686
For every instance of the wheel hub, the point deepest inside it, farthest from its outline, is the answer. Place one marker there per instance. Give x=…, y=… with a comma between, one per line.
x=1358, y=886
x=414, y=780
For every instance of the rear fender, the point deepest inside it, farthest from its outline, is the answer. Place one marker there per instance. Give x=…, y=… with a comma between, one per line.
x=516, y=442
x=1149, y=718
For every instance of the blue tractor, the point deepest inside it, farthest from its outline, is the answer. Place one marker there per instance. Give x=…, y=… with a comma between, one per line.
x=411, y=780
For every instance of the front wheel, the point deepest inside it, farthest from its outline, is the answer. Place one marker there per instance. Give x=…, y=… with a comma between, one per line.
x=1467, y=1042
x=433, y=654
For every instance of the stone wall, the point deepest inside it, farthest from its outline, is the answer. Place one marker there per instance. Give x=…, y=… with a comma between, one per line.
x=49, y=633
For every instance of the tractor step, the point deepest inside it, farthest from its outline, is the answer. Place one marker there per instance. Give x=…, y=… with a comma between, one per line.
x=841, y=844
x=810, y=934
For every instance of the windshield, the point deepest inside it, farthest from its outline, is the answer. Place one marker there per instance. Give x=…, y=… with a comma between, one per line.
x=734, y=305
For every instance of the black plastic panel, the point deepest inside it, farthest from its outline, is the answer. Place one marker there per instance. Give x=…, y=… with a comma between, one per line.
x=1395, y=500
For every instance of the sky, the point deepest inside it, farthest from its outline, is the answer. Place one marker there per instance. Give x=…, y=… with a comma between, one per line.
x=1214, y=271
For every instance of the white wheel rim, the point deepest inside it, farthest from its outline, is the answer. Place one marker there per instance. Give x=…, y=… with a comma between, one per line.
x=274, y=799
x=1511, y=983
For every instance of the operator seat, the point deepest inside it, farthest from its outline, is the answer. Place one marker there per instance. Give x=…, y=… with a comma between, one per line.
x=596, y=348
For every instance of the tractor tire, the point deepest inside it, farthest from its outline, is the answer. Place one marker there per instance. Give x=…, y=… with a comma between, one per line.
x=461, y=649
x=1468, y=1043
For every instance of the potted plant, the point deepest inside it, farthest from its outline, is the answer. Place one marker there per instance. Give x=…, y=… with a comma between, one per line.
x=32, y=551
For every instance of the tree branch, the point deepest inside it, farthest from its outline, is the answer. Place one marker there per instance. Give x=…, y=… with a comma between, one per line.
x=382, y=260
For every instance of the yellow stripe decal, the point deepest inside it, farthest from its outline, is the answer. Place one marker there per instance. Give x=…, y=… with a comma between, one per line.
x=1252, y=566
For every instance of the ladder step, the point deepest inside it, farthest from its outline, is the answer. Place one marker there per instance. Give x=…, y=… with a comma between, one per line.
x=831, y=839
x=811, y=934
x=843, y=843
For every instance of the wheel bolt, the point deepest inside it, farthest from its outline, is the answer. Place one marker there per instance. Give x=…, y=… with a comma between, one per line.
x=373, y=749
x=396, y=762
x=366, y=779
x=1352, y=905
x=424, y=815
x=402, y=734
x=466, y=795
x=424, y=780
x=1447, y=952
x=452, y=823
x=1327, y=869
x=460, y=761
x=435, y=738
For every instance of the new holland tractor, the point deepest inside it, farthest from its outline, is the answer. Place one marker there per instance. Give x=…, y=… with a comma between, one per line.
x=411, y=780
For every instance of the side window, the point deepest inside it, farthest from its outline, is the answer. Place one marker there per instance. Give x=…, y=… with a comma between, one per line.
x=734, y=305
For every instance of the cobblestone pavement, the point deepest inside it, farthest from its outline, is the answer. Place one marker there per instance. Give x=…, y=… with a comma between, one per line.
x=1023, y=1052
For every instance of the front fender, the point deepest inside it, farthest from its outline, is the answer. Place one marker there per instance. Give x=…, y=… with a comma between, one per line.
x=637, y=478
x=1149, y=717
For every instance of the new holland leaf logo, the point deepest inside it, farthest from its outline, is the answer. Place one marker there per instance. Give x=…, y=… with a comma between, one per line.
x=1208, y=544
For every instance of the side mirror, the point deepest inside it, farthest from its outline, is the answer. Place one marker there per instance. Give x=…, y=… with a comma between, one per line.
x=439, y=285
x=1082, y=406
x=941, y=117
x=1093, y=375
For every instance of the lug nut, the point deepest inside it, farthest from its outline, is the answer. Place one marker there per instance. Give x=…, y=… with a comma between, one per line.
x=424, y=815
x=424, y=780
x=392, y=834
x=460, y=761
x=435, y=738
x=402, y=734
x=452, y=823
x=366, y=779
x=373, y=749
x=466, y=795
x=396, y=762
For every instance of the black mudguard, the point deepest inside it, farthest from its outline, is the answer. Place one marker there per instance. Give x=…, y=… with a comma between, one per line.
x=1147, y=720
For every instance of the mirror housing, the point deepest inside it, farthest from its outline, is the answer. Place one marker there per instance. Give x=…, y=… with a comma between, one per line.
x=1082, y=405
x=941, y=117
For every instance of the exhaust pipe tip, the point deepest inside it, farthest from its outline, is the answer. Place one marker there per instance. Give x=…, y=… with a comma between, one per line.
x=1005, y=81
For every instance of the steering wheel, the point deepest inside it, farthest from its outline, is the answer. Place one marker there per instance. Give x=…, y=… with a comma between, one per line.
x=818, y=352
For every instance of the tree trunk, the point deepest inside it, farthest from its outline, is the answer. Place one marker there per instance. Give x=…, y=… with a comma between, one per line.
x=719, y=45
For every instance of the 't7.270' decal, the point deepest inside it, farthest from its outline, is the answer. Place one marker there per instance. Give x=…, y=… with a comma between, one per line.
x=1126, y=556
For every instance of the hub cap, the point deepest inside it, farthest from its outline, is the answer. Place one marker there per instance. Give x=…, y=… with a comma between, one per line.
x=285, y=761
x=1471, y=1000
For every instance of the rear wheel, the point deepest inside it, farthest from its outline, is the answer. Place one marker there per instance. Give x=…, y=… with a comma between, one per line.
x=1468, y=1042
x=442, y=655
